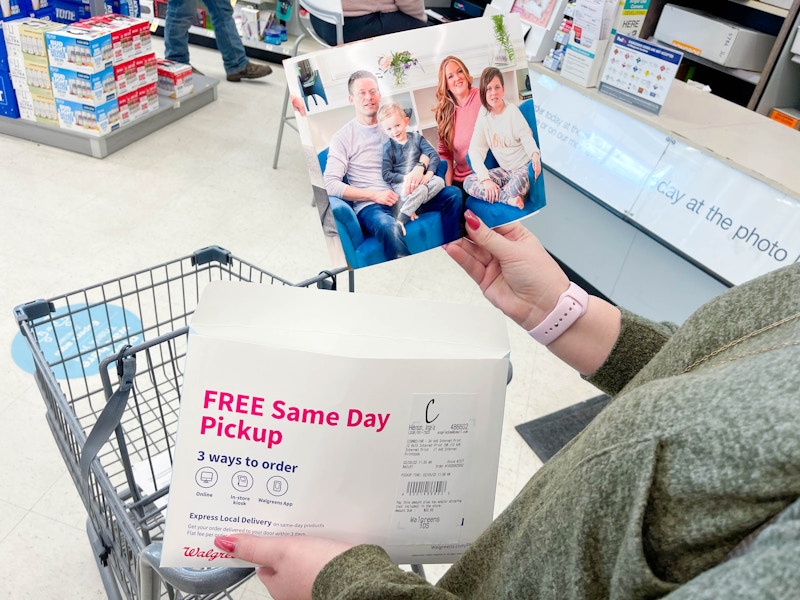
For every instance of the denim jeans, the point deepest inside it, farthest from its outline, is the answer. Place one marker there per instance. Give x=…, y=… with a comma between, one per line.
x=449, y=203
x=367, y=26
x=380, y=222
x=180, y=14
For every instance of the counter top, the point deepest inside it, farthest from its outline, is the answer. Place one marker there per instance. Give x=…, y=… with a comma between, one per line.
x=746, y=140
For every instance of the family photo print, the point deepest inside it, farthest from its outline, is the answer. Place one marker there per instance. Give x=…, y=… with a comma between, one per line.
x=404, y=132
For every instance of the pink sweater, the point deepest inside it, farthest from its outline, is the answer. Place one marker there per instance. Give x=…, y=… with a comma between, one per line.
x=464, y=124
x=359, y=8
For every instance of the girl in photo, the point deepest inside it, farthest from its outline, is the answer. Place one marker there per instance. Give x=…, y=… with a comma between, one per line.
x=501, y=128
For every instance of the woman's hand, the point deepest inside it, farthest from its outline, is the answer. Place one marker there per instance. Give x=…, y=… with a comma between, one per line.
x=512, y=268
x=492, y=190
x=288, y=565
x=519, y=277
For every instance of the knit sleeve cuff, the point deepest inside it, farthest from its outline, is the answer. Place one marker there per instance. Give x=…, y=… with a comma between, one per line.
x=364, y=571
x=639, y=341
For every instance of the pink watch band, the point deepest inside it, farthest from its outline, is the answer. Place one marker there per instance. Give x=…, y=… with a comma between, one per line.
x=570, y=307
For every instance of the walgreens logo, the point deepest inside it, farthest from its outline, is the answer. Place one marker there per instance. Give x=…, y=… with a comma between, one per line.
x=210, y=554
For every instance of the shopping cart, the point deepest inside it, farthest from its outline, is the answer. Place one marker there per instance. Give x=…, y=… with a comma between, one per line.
x=109, y=359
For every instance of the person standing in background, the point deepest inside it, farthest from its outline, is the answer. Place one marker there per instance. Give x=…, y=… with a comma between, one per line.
x=364, y=19
x=181, y=13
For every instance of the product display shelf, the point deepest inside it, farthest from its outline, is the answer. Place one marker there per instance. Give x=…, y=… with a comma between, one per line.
x=254, y=49
x=169, y=111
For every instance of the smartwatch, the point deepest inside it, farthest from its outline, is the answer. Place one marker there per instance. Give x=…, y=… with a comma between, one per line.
x=570, y=307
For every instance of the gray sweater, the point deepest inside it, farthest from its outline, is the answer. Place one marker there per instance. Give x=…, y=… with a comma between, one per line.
x=652, y=496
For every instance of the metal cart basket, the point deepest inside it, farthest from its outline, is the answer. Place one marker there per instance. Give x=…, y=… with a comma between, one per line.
x=129, y=333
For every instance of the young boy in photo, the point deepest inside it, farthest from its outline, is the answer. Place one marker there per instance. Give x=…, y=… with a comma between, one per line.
x=402, y=152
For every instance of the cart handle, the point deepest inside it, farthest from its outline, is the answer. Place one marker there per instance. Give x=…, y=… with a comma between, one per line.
x=189, y=581
x=112, y=413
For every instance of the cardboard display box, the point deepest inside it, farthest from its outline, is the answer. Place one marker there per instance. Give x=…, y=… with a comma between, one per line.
x=720, y=41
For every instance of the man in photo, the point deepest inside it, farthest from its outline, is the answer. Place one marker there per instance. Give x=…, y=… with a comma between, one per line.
x=354, y=172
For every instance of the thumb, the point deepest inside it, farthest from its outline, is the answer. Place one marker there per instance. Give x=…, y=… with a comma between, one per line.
x=488, y=239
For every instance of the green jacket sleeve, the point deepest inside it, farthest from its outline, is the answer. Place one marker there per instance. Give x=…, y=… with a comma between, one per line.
x=639, y=341
x=366, y=572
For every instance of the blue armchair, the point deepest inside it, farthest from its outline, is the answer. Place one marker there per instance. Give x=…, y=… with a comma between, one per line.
x=497, y=213
x=361, y=249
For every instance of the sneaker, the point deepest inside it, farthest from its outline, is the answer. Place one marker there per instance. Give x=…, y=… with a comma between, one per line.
x=251, y=71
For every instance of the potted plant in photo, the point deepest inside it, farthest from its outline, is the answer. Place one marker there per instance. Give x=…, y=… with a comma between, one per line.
x=503, y=54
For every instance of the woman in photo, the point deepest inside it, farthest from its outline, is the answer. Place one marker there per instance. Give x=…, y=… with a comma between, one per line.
x=457, y=106
x=501, y=128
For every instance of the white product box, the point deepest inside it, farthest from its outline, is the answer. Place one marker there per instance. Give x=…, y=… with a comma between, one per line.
x=87, y=50
x=36, y=78
x=174, y=79
x=26, y=37
x=37, y=106
x=717, y=40
x=147, y=9
x=87, y=118
x=250, y=29
x=88, y=88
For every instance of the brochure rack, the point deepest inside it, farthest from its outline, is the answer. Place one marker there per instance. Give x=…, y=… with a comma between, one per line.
x=170, y=110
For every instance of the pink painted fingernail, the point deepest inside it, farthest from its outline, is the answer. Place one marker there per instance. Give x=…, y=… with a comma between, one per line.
x=471, y=219
x=225, y=543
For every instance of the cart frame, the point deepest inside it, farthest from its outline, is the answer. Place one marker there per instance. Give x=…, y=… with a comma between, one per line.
x=84, y=346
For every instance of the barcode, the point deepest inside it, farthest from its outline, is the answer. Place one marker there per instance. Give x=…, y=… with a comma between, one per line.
x=426, y=488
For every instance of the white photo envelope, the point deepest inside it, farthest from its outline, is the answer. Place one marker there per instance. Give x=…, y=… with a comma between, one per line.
x=362, y=418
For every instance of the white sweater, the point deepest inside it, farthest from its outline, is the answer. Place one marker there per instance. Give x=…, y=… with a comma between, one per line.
x=507, y=135
x=359, y=8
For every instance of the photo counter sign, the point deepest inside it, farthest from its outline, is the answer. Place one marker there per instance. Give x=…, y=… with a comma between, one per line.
x=731, y=223
x=317, y=413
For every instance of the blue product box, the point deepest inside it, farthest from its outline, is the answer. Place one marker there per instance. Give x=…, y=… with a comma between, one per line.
x=47, y=13
x=8, y=99
x=83, y=49
x=16, y=9
x=87, y=118
x=130, y=8
x=69, y=11
x=3, y=51
x=88, y=88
